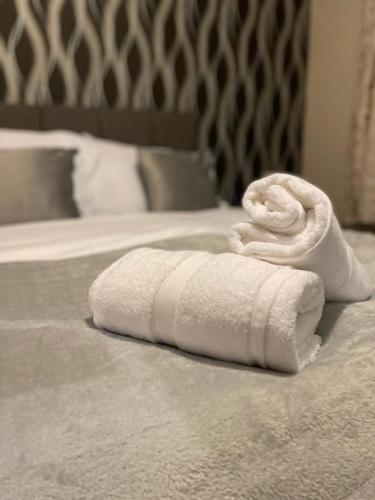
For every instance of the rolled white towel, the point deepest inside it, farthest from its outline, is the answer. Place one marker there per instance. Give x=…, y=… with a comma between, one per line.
x=292, y=222
x=224, y=306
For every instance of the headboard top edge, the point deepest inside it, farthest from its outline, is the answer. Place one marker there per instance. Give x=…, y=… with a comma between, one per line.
x=140, y=127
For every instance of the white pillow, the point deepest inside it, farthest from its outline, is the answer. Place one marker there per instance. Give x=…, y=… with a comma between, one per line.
x=18, y=139
x=111, y=185
x=105, y=177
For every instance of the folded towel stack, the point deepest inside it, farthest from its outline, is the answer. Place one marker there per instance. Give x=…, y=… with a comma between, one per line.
x=225, y=306
x=257, y=311
x=291, y=222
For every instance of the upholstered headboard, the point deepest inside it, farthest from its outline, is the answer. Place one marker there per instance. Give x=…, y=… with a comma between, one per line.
x=145, y=128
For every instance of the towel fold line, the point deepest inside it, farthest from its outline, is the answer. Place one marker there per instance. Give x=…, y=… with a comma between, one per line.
x=262, y=308
x=168, y=298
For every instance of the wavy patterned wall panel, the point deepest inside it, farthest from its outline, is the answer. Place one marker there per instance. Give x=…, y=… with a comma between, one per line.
x=239, y=63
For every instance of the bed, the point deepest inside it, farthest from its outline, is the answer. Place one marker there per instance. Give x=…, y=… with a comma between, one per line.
x=90, y=415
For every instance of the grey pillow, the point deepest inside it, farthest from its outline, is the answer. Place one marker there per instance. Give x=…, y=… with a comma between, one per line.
x=177, y=180
x=36, y=184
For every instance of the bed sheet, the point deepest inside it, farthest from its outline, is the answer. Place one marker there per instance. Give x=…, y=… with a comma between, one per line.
x=59, y=239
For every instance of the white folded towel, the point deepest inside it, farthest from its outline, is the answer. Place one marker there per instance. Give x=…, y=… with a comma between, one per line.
x=224, y=306
x=292, y=222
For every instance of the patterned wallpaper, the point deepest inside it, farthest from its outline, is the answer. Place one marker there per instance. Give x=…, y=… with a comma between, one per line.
x=239, y=63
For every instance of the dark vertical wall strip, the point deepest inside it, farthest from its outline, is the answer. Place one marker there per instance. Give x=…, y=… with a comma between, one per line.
x=239, y=63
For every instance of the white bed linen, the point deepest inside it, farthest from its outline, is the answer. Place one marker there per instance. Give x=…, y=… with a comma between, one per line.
x=52, y=240
x=105, y=177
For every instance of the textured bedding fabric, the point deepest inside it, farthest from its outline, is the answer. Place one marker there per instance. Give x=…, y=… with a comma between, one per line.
x=90, y=415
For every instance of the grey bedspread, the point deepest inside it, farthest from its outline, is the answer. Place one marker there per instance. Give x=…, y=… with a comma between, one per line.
x=90, y=415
